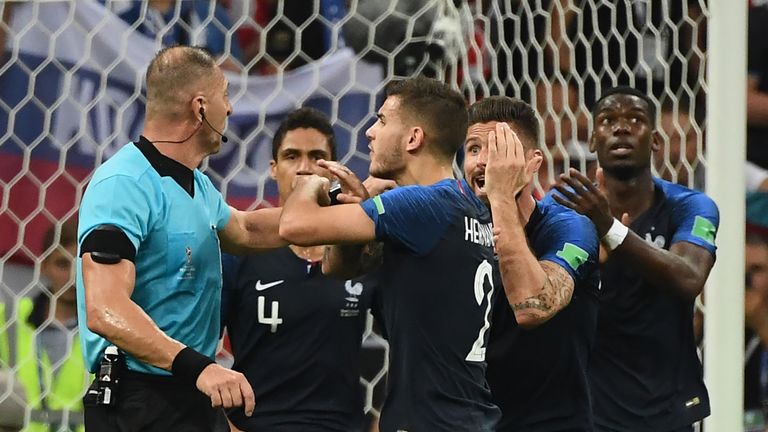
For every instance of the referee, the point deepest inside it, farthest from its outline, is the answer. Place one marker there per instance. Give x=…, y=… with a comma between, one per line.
x=149, y=275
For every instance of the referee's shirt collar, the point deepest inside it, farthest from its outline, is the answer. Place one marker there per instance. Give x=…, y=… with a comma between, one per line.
x=166, y=166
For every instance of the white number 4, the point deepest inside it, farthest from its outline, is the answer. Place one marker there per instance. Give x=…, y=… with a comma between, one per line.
x=484, y=270
x=274, y=320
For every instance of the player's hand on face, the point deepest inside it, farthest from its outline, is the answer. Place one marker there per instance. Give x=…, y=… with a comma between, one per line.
x=226, y=388
x=377, y=186
x=352, y=189
x=580, y=194
x=507, y=172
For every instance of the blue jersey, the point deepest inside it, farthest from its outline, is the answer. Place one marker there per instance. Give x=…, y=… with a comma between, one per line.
x=296, y=336
x=644, y=372
x=174, y=233
x=436, y=296
x=538, y=376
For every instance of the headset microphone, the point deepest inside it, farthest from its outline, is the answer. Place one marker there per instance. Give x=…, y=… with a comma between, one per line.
x=202, y=114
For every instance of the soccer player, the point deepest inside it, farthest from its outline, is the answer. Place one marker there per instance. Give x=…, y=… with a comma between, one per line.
x=435, y=279
x=544, y=327
x=296, y=334
x=644, y=372
x=149, y=272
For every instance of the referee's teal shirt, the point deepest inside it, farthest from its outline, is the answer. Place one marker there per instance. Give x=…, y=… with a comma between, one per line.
x=171, y=215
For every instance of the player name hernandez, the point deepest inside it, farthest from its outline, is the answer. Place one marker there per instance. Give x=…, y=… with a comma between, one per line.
x=477, y=232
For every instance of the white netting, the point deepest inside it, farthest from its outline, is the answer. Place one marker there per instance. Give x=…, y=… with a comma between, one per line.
x=72, y=72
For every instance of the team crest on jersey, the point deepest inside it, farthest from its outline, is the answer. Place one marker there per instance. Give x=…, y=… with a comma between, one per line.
x=659, y=241
x=350, y=308
x=187, y=271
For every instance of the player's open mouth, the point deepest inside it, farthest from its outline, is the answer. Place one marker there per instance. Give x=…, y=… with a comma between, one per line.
x=480, y=183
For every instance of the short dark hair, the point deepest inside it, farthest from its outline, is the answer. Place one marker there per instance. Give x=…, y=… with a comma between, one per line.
x=305, y=118
x=630, y=91
x=173, y=68
x=441, y=110
x=508, y=110
x=67, y=235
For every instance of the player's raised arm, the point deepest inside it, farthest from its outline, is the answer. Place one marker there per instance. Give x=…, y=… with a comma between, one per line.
x=536, y=290
x=307, y=220
x=683, y=268
x=348, y=261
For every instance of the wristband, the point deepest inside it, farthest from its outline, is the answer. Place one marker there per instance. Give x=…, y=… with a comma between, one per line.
x=615, y=235
x=188, y=365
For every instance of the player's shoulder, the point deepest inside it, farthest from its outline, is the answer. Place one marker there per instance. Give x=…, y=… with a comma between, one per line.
x=676, y=194
x=128, y=165
x=447, y=192
x=442, y=188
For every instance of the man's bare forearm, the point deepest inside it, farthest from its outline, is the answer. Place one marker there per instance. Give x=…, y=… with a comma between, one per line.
x=296, y=222
x=521, y=272
x=556, y=294
x=683, y=269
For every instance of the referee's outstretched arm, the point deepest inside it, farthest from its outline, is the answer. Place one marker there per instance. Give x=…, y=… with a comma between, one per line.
x=252, y=231
x=113, y=315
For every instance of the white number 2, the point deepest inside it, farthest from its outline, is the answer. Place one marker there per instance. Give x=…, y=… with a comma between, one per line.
x=484, y=270
x=274, y=320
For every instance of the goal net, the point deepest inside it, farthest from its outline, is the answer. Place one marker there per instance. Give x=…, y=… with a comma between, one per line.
x=71, y=95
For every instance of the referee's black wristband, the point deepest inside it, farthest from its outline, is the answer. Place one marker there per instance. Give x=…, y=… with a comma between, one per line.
x=188, y=365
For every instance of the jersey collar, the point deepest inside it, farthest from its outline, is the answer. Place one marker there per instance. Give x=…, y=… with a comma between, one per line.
x=166, y=166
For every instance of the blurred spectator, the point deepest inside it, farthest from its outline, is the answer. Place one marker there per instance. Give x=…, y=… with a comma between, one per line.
x=519, y=40
x=757, y=84
x=200, y=23
x=294, y=33
x=756, y=177
x=756, y=313
x=11, y=403
x=408, y=37
x=42, y=342
x=678, y=160
x=649, y=45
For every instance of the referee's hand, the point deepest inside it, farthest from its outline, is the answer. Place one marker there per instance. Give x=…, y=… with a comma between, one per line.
x=226, y=388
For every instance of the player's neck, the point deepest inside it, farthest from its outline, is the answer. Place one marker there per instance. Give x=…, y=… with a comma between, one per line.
x=633, y=195
x=187, y=153
x=425, y=171
x=312, y=253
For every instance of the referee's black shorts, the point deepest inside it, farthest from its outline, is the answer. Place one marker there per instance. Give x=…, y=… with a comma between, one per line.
x=150, y=403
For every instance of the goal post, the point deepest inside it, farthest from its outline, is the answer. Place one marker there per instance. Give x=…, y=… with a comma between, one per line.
x=726, y=153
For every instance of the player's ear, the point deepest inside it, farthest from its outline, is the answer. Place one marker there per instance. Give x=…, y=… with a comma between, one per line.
x=415, y=139
x=656, y=141
x=592, y=144
x=273, y=169
x=537, y=158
